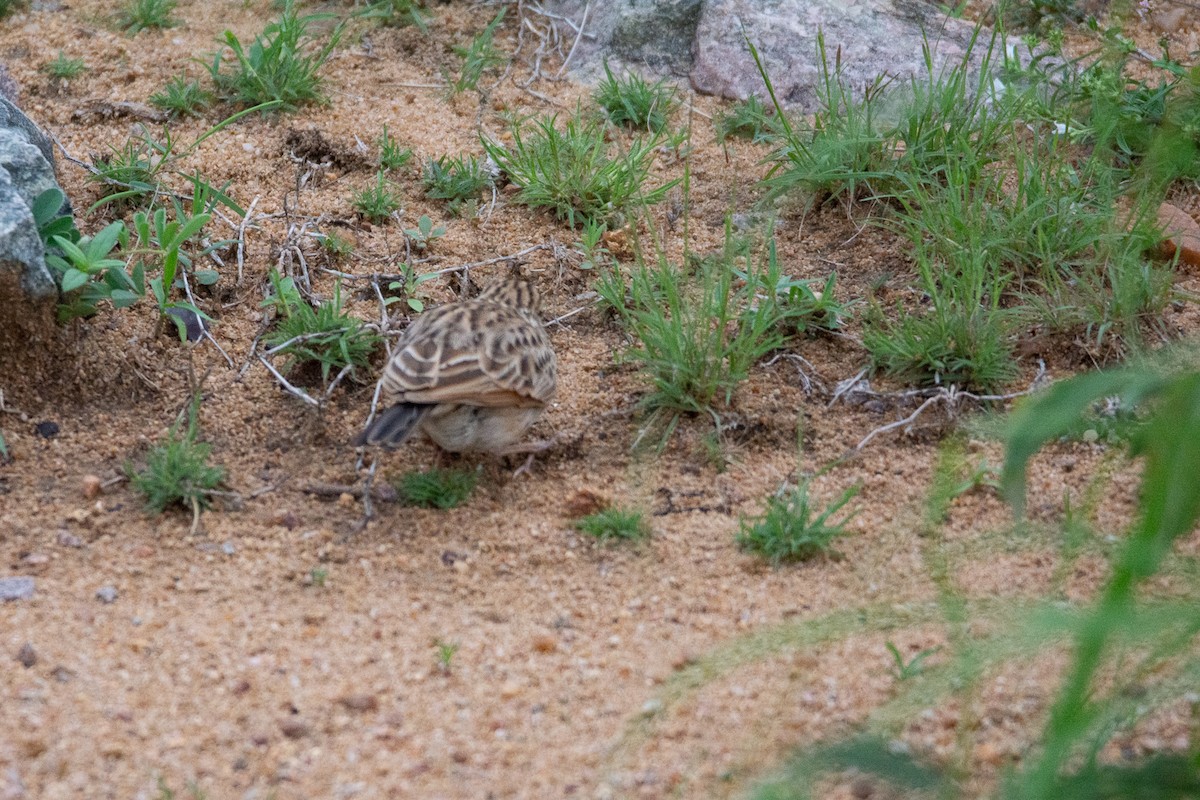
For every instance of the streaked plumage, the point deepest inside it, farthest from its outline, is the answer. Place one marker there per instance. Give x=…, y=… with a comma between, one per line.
x=472, y=375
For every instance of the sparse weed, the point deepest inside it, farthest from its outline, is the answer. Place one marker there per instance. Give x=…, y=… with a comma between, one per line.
x=478, y=57
x=138, y=15
x=397, y=13
x=317, y=576
x=177, y=470
x=634, y=103
x=326, y=336
x=64, y=69
x=459, y=180
x=445, y=654
x=591, y=246
x=182, y=97
x=339, y=248
x=274, y=69
x=377, y=201
x=575, y=173
x=904, y=670
x=408, y=288
x=437, y=488
x=424, y=234
x=791, y=530
x=391, y=155
x=746, y=119
x=619, y=524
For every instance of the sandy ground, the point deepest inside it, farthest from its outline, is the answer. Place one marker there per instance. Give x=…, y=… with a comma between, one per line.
x=680, y=667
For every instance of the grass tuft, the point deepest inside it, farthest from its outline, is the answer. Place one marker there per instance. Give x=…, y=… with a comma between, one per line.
x=614, y=524
x=437, y=488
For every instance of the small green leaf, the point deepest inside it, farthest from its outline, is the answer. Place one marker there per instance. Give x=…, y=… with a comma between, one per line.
x=72, y=279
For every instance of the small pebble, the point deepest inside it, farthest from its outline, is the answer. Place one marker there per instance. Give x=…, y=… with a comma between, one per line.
x=228, y=549
x=345, y=500
x=46, y=429
x=510, y=689
x=92, y=486
x=359, y=702
x=545, y=644
x=294, y=727
x=18, y=588
x=68, y=539
x=106, y=594
x=27, y=656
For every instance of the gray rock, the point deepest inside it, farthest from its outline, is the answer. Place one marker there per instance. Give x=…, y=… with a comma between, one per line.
x=17, y=588
x=22, y=256
x=107, y=594
x=13, y=118
x=706, y=41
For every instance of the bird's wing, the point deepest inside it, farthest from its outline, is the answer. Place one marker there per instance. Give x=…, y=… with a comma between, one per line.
x=472, y=353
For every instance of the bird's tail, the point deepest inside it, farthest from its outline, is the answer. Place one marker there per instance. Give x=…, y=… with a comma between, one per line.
x=392, y=427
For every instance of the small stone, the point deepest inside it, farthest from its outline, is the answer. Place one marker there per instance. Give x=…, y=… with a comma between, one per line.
x=1182, y=233
x=106, y=594
x=545, y=644
x=68, y=539
x=989, y=753
x=36, y=559
x=18, y=588
x=294, y=727
x=46, y=429
x=285, y=518
x=228, y=549
x=1090, y=436
x=345, y=500
x=584, y=503
x=1169, y=20
x=359, y=702
x=92, y=486
x=510, y=689
x=461, y=566
x=27, y=656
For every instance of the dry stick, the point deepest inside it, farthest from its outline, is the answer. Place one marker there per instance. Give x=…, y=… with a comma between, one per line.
x=950, y=396
x=241, y=239
x=300, y=393
x=806, y=383
x=558, y=320
x=579, y=35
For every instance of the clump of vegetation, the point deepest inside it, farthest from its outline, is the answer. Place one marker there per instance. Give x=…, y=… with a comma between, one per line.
x=424, y=234
x=397, y=13
x=9, y=6
x=790, y=529
x=437, y=488
x=377, y=201
x=634, y=103
x=276, y=68
x=459, y=181
x=64, y=69
x=446, y=651
x=138, y=15
x=325, y=336
x=614, y=524
x=478, y=57
x=178, y=472
x=182, y=97
x=391, y=155
x=697, y=332
x=575, y=172
x=746, y=119
x=336, y=246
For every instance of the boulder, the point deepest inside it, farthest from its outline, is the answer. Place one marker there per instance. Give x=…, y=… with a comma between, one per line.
x=705, y=40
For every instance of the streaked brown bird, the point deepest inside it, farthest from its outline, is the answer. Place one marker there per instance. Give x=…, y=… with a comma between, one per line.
x=472, y=375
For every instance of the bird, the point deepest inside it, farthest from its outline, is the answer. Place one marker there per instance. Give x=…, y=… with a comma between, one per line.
x=472, y=375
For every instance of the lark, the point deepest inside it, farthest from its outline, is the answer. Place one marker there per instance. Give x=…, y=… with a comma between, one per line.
x=473, y=376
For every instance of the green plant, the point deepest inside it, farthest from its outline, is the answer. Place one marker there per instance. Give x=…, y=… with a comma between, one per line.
x=591, y=246
x=275, y=68
x=437, y=488
x=9, y=6
x=86, y=266
x=445, y=654
x=63, y=68
x=697, y=333
x=790, y=529
x=317, y=576
x=458, y=180
x=424, y=234
x=912, y=668
x=478, y=57
x=622, y=524
x=633, y=102
x=391, y=155
x=137, y=15
x=337, y=247
x=162, y=241
x=377, y=201
x=165, y=792
x=575, y=173
x=408, y=284
x=49, y=222
x=177, y=470
x=397, y=13
x=182, y=97
x=746, y=119
x=326, y=336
